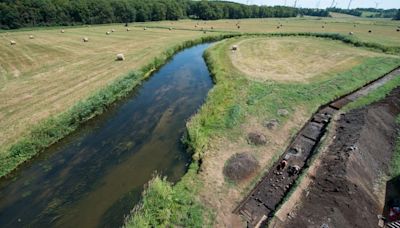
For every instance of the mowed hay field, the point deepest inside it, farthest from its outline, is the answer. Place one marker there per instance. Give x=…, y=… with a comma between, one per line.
x=383, y=31
x=295, y=58
x=46, y=75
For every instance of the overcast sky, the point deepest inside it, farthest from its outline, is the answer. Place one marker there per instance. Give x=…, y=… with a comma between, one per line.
x=386, y=4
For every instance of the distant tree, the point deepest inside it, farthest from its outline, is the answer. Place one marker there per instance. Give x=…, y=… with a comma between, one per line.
x=397, y=16
x=123, y=11
x=23, y=13
x=8, y=17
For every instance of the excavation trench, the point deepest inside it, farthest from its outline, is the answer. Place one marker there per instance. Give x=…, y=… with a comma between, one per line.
x=94, y=177
x=262, y=202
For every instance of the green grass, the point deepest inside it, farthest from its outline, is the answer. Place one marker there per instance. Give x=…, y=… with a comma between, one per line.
x=164, y=205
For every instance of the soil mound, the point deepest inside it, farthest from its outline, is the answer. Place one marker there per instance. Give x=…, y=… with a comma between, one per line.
x=346, y=188
x=257, y=138
x=240, y=166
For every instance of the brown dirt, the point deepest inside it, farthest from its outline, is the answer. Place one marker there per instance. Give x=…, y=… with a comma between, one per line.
x=240, y=166
x=347, y=188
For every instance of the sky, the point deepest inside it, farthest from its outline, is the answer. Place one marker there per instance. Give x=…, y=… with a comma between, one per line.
x=385, y=4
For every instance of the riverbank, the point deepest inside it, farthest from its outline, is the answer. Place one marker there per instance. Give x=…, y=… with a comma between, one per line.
x=237, y=106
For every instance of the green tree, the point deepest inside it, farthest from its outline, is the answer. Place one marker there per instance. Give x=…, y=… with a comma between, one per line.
x=397, y=17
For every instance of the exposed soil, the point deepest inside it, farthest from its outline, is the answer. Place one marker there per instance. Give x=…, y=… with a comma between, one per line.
x=240, y=166
x=348, y=184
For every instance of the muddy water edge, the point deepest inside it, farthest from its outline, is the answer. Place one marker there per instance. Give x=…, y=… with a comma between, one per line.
x=93, y=177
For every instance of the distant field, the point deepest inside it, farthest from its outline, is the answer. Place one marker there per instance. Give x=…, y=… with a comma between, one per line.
x=341, y=15
x=294, y=59
x=48, y=74
x=383, y=30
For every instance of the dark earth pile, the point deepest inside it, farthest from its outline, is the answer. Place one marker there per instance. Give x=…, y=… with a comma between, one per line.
x=240, y=166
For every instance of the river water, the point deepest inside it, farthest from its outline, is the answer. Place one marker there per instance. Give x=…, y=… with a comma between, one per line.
x=94, y=177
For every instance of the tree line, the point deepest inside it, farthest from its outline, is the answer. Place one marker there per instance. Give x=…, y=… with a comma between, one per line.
x=30, y=13
x=375, y=13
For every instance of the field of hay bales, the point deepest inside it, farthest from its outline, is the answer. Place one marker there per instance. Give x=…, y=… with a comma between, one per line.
x=383, y=31
x=47, y=73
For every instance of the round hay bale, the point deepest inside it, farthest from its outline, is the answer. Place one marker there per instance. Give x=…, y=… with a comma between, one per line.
x=112, y=30
x=12, y=42
x=145, y=28
x=240, y=166
x=62, y=31
x=85, y=39
x=31, y=37
x=369, y=31
x=256, y=138
x=351, y=33
x=108, y=33
x=238, y=27
x=234, y=47
x=169, y=28
x=398, y=30
x=204, y=32
x=323, y=26
x=128, y=29
x=120, y=57
x=283, y=112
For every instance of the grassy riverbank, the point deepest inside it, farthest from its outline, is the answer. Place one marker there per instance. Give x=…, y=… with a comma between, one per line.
x=239, y=104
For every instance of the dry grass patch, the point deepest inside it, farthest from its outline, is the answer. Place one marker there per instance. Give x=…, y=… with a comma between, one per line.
x=294, y=58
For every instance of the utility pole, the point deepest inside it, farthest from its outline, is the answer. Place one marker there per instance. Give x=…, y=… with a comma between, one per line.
x=295, y=3
x=376, y=5
x=333, y=3
x=348, y=7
